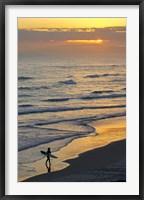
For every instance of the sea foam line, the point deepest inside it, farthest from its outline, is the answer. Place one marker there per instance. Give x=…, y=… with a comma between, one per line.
x=64, y=109
x=81, y=121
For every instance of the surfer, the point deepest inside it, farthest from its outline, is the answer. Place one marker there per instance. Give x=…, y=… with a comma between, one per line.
x=48, y=156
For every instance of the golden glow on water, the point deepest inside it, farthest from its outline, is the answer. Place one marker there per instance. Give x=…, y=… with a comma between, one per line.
x=108, y=131
x=44, y=23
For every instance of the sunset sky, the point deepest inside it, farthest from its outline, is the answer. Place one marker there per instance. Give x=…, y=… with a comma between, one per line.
x=70, y=36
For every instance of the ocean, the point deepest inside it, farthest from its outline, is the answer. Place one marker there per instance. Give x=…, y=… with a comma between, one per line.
x=56, y=101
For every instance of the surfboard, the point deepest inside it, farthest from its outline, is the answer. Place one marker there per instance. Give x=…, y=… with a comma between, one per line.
x=46, y=154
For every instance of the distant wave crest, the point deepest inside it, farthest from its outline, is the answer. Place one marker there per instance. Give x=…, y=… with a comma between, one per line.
x=24, y=95
x=56, y=100
x=33, y=88
x=104, y=96
x=101, y=75
x=23, y=78
x=25, y=105
x=69, y=82
x=102, y=91
x=62, y=109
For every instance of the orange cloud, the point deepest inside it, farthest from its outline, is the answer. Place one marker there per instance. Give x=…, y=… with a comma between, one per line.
x=61, y=29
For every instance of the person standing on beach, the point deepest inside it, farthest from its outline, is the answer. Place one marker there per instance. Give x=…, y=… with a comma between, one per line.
x=48, y=156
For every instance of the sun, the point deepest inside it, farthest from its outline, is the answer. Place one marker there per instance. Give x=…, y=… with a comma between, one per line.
x=98, y=41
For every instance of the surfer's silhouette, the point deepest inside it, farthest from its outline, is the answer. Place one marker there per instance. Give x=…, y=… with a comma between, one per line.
x=48, y=156
x=48, y=160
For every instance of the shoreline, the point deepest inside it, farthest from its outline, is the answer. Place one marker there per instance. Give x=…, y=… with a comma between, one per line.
x=90, y=167
x=108, y=130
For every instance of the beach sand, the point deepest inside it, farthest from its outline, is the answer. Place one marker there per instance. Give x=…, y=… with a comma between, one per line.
x=99, y=157
x=105, y=164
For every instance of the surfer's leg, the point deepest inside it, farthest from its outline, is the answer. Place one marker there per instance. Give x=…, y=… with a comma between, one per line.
x=46, y=161
x=49, y=161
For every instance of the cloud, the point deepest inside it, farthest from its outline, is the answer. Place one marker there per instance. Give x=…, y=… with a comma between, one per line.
x=61, y=29
x=112, y=33
x=64, y=41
